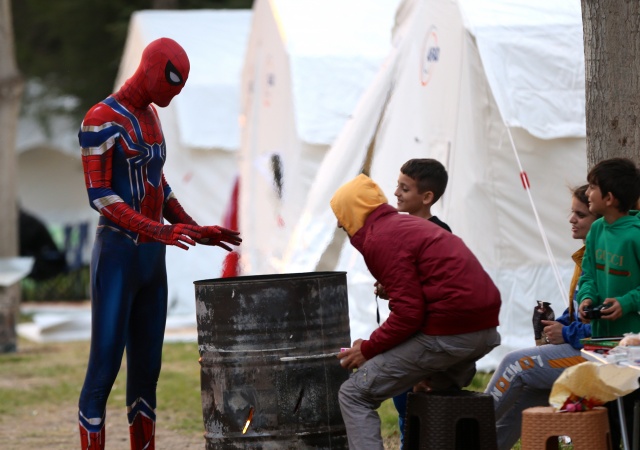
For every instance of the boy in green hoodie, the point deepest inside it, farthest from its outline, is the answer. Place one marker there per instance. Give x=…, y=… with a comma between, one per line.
x=611, y=264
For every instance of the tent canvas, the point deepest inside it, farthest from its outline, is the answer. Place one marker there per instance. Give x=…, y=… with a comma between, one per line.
x=463, y=79
x=47, y=149
x=200, y=127
x=307, y=63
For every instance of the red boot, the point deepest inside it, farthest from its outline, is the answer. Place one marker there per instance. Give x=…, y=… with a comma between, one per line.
x=142, y=426
x=91, y=440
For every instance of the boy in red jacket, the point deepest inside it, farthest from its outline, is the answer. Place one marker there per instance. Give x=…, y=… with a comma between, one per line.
x=444, y=308
x=421, y=183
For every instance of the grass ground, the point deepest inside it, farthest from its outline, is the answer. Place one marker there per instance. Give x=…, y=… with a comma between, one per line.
x=40, y=384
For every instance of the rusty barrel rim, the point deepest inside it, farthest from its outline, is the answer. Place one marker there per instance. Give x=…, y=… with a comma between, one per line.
x=268, y=277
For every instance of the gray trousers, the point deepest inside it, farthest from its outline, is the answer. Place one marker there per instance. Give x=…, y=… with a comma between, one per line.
x=446, y=361
x=523, y=380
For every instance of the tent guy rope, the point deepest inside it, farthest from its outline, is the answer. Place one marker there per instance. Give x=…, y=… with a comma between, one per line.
x=527, y=187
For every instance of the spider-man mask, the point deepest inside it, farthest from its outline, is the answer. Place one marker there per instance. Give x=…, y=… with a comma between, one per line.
x=166, y=68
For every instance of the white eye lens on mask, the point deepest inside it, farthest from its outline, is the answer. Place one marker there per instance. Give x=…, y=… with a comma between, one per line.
x=174, y=77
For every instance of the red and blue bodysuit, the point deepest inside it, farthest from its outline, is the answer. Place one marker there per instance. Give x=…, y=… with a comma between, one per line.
x=123, y=153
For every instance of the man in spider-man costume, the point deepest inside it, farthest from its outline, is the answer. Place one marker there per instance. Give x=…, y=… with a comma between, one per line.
x=123, y=152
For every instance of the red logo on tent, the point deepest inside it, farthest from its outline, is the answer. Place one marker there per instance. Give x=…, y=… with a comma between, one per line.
x=430, y=55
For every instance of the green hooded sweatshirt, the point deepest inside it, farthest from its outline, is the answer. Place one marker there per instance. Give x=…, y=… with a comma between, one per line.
x=611, y=269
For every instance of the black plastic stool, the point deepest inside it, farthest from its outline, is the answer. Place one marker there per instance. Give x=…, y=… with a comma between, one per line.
x=459, y=420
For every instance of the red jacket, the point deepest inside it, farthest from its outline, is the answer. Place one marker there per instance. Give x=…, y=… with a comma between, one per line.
x=436, y=285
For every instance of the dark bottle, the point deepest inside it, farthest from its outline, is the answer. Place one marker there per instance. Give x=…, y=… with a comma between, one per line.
x=541, y=312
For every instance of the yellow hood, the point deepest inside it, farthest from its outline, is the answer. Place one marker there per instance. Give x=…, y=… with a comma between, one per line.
x=355, y=200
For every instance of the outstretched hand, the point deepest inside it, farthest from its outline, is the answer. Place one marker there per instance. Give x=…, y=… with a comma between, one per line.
x=177, y=235
x=215, y=235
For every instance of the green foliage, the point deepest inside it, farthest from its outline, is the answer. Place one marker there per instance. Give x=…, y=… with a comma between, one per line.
x=71, y=286
x=74, y=47
x=389, y=420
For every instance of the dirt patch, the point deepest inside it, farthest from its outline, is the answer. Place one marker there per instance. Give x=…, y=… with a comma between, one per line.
x=23, y=383
x=392, y=443
x=57, y=429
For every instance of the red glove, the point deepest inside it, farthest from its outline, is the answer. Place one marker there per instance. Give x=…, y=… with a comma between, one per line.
x=215, y=235
x=180, y=234
x=176, y=235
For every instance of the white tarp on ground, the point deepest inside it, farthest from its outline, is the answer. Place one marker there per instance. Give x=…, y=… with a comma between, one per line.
x=463, y=74
x=307, y=63
x=63, y=322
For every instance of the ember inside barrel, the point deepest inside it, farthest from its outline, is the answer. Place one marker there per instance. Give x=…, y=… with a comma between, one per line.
x=269, y=375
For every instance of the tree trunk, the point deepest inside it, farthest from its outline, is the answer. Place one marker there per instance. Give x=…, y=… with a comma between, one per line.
x=612, y=83
x=164, y=4
x=10, y=92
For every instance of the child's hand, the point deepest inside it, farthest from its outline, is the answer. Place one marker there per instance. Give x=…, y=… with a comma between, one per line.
x=586, y=303
x=613, y=310
x=380, y=291
x=352, y=358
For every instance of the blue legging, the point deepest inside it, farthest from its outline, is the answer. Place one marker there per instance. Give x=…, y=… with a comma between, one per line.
x=128, y=309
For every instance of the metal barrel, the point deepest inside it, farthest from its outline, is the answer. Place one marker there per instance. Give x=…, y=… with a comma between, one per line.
x=269, y=372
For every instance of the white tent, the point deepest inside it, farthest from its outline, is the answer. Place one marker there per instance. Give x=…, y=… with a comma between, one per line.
x=307, y=63
x=200, y=127
x=48, y=152
x=463, y=79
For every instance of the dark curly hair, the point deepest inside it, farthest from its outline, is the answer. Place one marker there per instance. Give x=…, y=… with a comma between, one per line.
x=429, y=175
x=620, y=177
